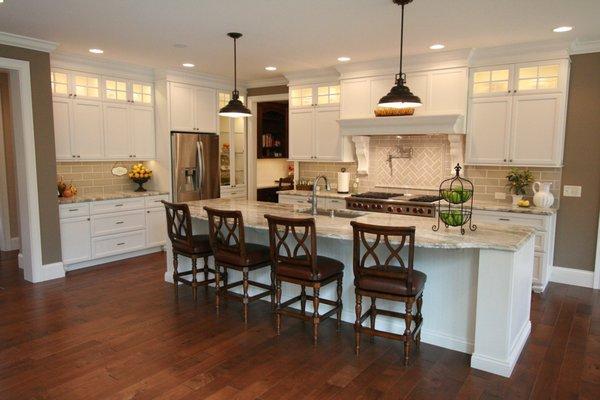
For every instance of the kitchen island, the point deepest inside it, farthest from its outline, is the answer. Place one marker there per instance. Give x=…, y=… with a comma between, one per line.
x=478, y=290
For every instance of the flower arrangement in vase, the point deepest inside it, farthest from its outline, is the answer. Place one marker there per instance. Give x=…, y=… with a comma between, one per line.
x=140, y=174
x=518, y=182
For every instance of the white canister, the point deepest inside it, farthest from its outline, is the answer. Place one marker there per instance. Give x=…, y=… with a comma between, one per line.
x=343, y=182
x=542, y=196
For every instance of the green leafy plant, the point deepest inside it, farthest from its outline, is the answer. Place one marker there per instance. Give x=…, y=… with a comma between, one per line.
x=519, y=180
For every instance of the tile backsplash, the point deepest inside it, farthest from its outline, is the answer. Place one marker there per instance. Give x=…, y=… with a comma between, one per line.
x=95, y=177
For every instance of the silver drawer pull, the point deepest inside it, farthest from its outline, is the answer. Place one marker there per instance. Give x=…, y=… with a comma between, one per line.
x=504, y=219
x=118, y=205
x=119, y=222
x=120, y=244
x=73, y=209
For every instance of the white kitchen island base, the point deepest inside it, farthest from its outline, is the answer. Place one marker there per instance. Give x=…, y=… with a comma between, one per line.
x=476, y=300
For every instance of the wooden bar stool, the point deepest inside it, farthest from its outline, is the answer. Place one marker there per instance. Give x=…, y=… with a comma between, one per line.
x=303, y=267
x=375, y=279
x=185, y=243
x=227, y=239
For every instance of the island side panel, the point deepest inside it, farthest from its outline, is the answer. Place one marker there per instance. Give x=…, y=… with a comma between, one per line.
x=503, y=308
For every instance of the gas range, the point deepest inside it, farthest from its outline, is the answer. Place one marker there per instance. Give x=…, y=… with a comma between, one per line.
x=393, y=203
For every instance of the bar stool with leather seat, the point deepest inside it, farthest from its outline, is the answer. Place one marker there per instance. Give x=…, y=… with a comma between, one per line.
x=302, y=266
x=227, y=239
x=375, y=279
x=185, y=243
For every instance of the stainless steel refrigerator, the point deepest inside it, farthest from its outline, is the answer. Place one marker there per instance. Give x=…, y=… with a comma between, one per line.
x=195, y=162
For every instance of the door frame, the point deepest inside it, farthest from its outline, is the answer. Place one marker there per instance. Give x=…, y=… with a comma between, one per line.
x=596, y=283
x=30, y=256
x=251, y=139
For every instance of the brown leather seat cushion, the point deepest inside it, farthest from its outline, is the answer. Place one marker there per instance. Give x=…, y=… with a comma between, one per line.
x=326, y=267
x=201, y=245
x=373, y=283
x=256, y=254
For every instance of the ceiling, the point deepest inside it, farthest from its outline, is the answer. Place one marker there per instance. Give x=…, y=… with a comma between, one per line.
x=290, y=34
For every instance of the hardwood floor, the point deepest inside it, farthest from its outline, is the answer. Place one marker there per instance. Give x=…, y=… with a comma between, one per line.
x=116, y=332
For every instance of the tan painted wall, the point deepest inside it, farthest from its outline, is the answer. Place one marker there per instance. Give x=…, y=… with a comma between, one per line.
x=577, y=223
x=43, y=124
x=9, y=157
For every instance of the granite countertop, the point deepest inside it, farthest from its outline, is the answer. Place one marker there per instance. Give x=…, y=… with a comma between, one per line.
x=508, y=207
x=108, y=196
x=320, y=193
x=487, y=236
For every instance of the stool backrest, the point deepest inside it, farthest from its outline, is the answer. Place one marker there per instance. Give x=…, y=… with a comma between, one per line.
x=391, y=239
x=297, y=232
x=226, y=231
x=179, y=224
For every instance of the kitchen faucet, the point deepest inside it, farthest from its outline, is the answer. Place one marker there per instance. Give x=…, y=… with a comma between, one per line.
x=313, y=209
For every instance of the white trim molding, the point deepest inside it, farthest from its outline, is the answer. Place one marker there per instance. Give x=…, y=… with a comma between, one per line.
x=597, y=261
x=572, y=276
x=361, y=146
x=26, y=42
x=404, y=125
x=585, y=46
x=51, y=271
x=259, y=83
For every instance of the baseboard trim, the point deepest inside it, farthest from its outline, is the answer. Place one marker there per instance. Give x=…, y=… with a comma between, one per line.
x=51, y=271
x=98, y=261
x=499, y=366
x=15, y=243
x=20, y=260
x=572, y=276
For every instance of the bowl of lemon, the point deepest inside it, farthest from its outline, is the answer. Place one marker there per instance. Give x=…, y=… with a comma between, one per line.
x=140, y=174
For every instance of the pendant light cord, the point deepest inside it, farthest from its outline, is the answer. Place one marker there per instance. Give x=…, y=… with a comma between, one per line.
x=401, y=41
x=235, y=64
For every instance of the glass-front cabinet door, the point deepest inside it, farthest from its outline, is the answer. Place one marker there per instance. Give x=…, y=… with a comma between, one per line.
x=491, y=81
x=224, y=143
x=232, y=152
x=538, y=77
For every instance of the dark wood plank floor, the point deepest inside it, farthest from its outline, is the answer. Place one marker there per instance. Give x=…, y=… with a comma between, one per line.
x=116, y=332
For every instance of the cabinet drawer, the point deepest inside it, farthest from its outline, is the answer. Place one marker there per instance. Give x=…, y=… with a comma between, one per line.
x=109, y=206
x=118, y=222
x=336, y=204
x=74, y=210
x=535, y=221
x=116, y=244
x=155, y=201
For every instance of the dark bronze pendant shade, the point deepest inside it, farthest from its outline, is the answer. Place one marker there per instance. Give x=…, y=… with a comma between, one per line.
x=235, y=108
x=400, y=95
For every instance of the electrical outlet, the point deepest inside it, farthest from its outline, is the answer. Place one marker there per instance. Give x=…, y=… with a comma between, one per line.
x=571, y=191
x=500, y=196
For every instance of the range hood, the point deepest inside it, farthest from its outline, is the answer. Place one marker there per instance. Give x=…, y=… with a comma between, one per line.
x=445, y=124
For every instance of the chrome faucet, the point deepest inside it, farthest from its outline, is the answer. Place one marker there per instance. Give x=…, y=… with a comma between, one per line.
x=313, y=209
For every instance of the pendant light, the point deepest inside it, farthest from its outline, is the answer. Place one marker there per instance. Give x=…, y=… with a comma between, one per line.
x=235, y=108
x=400, y=95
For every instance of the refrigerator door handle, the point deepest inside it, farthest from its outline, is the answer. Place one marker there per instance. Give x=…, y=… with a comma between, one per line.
x=200, y=149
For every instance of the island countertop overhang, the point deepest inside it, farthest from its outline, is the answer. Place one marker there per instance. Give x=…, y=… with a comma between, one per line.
x=487, y=236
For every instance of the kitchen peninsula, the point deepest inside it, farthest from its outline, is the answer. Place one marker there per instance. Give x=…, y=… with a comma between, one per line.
x=478, y=290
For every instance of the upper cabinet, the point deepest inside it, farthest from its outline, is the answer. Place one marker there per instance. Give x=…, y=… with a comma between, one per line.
x=441, y=91
x=314, y=133
x=100, y=117
x=192, y=108
x=517, y=114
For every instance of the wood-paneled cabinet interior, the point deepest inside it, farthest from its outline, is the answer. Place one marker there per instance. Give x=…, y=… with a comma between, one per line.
x=192, y=108
x=314, y=133
x=517, y=114
x=272, y=130
x=100, y=118
x=442, y=91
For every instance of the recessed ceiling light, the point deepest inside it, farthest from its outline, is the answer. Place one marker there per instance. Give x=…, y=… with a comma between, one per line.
x=96, y=51
x=343, y=59
x=188, y=65
x=271, y=68
x=437, y=46
x=562, y=29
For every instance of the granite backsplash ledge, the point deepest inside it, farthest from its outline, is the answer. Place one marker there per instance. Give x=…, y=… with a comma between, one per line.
x=92, y=178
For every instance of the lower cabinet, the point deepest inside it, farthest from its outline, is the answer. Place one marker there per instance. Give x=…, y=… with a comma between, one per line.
x=92, y=232
x=327, y=203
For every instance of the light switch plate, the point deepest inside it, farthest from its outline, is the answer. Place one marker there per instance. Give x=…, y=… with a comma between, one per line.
x=500, y=196
x=571, y=191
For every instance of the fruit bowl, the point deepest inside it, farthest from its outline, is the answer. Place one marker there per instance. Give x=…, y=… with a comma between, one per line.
x=455, y=217
x=456, y=196
x=140, y=182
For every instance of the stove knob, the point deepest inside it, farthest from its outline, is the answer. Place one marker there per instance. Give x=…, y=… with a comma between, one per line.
x=420, y=211
x=390, y=209
x=399, y=209
x=414, y=210
x=366, y=206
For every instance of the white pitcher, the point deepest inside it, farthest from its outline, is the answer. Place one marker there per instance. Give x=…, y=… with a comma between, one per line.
x=542, y=196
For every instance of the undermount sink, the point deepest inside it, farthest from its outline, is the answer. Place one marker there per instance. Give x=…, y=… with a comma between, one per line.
x=335, y=213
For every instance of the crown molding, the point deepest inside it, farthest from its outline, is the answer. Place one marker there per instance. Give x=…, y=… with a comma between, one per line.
x=258, y=83
x=583, y=46
x=198, y=78
x=102, y=66
x=521, y=52
x=25, y=42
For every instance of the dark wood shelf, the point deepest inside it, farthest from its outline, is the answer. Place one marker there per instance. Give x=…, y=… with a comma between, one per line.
x=272, y=130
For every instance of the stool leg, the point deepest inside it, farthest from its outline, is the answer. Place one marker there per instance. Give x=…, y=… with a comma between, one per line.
x=245, y=299
x=206, y=273
x=217, y=286
x=316, y=290
x=419, y=320
x=358, y=310
x=372, y=316
x=339, y=303
x=272, y=288
x=303, y=300
x=278, y=296
x=175, y=275
x=225, y=279
x=408, y=337
x=194, y=280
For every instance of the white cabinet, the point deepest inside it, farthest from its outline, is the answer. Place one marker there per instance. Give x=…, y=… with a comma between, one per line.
x=441, y=92
x=128, y=131
x=327, y=203
x=192, y=108
x=62, y=127
x=78, y=129
x=156, y=227
x=119, y=90
x=301, y=134
x=517, y=114
x=327, y=138
x=75, y=239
